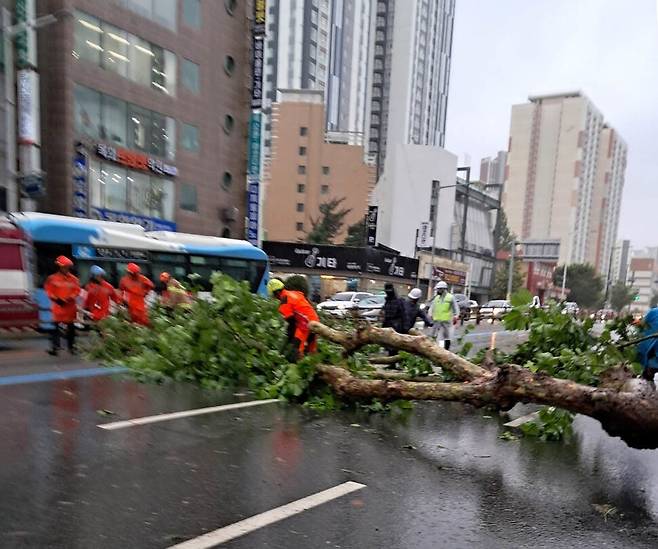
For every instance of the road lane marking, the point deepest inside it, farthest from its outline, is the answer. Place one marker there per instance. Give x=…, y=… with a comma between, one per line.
x=237, y=529
x=185, y=413
x=58, y=376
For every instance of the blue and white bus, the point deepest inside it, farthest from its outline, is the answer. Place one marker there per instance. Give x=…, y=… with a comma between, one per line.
x=113, y=245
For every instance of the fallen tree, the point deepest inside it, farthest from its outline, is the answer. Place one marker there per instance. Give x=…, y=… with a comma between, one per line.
x=237, y=339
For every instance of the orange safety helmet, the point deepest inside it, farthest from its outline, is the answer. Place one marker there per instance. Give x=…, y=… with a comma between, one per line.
x=63, y=261
x=165, y=277
x=133, y=268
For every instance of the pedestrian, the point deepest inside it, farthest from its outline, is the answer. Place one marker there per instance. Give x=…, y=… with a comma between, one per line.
x=647, y=350
x=393, y=313
x=135, y=287
x=63, y=289
x=100, y=293
x=298, y=313
x=174, y=295
x=444, y=313
x=413, y=311
x=317, y=297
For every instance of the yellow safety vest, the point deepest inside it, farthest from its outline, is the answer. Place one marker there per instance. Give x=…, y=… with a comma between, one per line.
x=442, y=308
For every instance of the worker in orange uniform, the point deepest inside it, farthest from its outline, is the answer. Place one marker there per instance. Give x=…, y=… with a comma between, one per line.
x=135, y=287
x=298, y=312
x=63, y=288
x=174, y=295
x=99, y=295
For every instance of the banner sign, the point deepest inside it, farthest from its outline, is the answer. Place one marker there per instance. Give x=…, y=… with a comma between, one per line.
x=371, y=226
x=149, y=223
x=135, y=160
x=424, y=238
x=253, y=153
x=26, y=38
x=258, y=50
x=340, y=259
x=449, y=276
x=80, y=185
x=259, y=17
x=27, y=85
x=253, y=192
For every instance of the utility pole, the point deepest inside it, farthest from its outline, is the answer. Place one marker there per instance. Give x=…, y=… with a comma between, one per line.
x=462, y=241
x=435, y=229
x=510, y=274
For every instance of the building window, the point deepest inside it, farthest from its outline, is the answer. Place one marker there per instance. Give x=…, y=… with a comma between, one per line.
x=302, y=151
x=163, y=136
x=324, y=189
x=114, y=121
x=189, y=76
x=164, y=13
x=141, y=58
x=325, y=170
x=115, y=50
x=229, y=123
x=229, y=65
x=188, y=199
x=230, y=6
x=301, y=188
x=163, y=71
x=227, y=180
x=88, y=34
x=303, y=131
x=301, y=169
x=139, y=128
x=300, y=227
x=300, y=207
x=189, y=137
x=192, y=13
x=87, y=112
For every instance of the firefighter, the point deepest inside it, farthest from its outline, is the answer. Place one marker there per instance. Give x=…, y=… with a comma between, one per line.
x=99, y=295
x=298, y=312
x=135, y=287
x=63, y=288
x=174, y=295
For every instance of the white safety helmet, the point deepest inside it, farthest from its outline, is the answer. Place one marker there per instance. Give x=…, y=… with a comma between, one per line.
x=415, y=294
x=441, y=286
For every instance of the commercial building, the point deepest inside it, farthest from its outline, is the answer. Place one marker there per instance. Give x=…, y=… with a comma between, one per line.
x=565, y=177
x=621, y=256
x=643, y=277
x=411, y=51
x=309, y=168
x=144, y=108
x=320, y=45
x=492, y=170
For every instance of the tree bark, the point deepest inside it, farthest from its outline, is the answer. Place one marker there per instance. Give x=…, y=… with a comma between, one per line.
x=627, y=408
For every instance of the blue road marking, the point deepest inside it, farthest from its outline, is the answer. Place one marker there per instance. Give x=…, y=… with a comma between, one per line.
x=57, y=376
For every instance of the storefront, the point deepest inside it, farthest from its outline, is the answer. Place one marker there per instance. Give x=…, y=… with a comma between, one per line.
x=331, y=269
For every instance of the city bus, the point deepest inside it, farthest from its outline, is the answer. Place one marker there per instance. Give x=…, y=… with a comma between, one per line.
x=113, y=245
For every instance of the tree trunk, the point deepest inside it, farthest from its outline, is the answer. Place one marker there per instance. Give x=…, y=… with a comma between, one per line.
x=627, y=408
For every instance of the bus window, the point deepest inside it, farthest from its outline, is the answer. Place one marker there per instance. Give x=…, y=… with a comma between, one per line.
x=46, y=255
x=174, y=264
x=204, y=266
x=83, y=267
x=238, y=269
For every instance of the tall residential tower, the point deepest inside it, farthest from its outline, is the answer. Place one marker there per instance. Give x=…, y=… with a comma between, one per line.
x=565, y=177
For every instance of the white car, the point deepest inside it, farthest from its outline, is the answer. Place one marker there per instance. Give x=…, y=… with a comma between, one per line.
x=342, y=302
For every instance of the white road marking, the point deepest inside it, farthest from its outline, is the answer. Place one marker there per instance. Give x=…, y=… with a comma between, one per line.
x=185, y=413
x=237, y=529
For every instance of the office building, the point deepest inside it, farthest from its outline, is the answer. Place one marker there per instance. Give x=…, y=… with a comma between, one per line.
x=621, y=256
x=411, y=50
x=643, y=278
x=309, y=168
x=492, y=170
x=144, y=110
x=565, y=177
x=320, y=45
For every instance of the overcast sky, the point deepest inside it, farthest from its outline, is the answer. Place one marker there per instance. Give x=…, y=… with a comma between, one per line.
x=505, y=50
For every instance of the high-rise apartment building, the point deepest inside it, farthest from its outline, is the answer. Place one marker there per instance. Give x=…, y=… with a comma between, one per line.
x=144, y=108
x=492, y=170
x=321, y=45
x=411, y=51
x=621, y=256
x=565, y=177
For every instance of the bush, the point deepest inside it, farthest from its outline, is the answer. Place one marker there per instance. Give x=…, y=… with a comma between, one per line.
x=297, y=283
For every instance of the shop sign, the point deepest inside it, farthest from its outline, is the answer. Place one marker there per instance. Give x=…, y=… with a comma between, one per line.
x=259, y=17
x=371, y=226
x=424, y=240
x=258, y=50
x=135, y=160
x=449, y=276
x=254, y=144
x=387, y=264
x=149, y=223
x=80, y=185
x=27, y=85
x=253, y=205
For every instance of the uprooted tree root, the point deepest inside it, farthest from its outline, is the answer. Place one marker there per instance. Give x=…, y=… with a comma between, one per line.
x=626, y=407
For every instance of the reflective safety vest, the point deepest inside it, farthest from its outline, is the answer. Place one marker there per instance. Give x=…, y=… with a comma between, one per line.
x=442, y=308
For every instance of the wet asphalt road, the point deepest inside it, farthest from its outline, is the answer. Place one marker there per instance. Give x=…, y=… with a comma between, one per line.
x=439, y=478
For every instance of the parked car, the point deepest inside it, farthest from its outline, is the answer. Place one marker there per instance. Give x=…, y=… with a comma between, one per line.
x=370, y=307
x=495, y=309
x=342, y=302
x=571, y=308
x=465, y=306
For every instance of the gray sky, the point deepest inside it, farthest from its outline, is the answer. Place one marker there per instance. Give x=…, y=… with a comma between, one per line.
x=505, y=50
